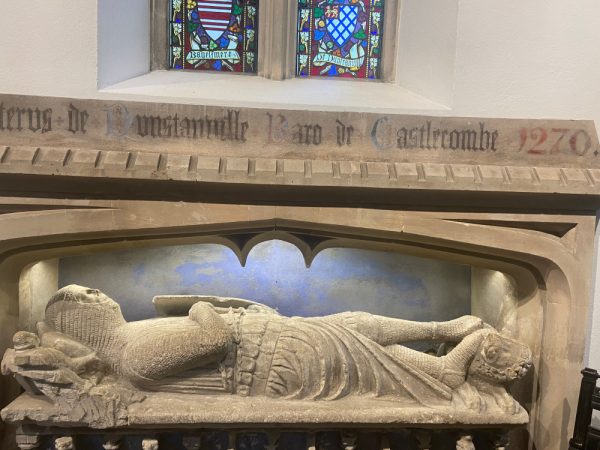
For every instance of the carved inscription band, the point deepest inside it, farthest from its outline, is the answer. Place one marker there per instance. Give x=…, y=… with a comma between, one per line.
x=261, y=133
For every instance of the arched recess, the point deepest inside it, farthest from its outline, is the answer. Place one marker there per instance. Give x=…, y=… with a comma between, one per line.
x=548, y=268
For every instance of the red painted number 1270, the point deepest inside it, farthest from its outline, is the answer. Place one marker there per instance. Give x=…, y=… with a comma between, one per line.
x=550, y=141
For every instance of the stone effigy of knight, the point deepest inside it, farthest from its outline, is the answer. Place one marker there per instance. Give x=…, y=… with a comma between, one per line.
x=84, y=343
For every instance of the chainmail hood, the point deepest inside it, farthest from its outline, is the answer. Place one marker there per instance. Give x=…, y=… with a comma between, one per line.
x=86, y=315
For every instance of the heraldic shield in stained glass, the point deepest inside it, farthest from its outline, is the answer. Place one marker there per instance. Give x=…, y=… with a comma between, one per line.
x=339, y=38
x=218, y=35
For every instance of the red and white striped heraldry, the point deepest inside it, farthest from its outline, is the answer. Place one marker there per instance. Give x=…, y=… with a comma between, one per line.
x=215, y=16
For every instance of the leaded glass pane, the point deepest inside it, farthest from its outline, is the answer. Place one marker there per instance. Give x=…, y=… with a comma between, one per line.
x=219, y=35
x=339, y=38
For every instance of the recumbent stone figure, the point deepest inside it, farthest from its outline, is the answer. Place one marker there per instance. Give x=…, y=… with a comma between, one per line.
x=84, y=344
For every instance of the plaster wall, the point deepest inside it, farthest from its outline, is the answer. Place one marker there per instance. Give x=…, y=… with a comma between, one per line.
x=532, y=59
x=123, y=54
x=339, y=279
x=510, y=59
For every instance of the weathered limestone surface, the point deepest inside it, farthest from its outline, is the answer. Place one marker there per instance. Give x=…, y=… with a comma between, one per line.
x=351, y=368
x=285, y=134
x=163, y=410
x=198, y=144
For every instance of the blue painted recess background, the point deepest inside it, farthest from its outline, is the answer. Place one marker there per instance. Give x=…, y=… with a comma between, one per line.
x=340, y=279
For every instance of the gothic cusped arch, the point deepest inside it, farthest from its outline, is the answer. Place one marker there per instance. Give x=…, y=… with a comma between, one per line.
x=550, y=268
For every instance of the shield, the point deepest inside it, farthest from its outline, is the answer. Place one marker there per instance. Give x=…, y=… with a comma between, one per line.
x=215, y=16
x=342, y=28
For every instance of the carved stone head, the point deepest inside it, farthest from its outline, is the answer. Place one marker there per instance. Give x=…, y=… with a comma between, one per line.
x=149, y=444
x=500, y=359
x=84, y=314
x=465, y=443
x=64, y=443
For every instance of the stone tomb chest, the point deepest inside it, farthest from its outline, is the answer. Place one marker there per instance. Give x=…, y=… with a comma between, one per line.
x=510, y=197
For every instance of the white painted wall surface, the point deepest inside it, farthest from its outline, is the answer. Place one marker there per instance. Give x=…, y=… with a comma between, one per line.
x=48, y=47
x=123, y=40
x=534, y=59
x=427, y=53
x=515, y=59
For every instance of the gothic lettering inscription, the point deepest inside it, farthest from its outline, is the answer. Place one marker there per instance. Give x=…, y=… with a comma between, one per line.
x=31, y=120
x=428, y=137
x=77, y=120
x=344, y=133
x=120, y=122
x=267, y=133
x=280, y=130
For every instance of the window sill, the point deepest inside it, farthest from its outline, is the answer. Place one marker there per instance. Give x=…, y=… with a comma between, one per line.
x=252, y=91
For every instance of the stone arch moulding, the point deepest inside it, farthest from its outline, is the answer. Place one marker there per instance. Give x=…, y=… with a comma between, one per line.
x=554, y=261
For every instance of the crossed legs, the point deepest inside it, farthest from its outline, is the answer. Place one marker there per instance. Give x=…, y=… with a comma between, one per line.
x=451, y=369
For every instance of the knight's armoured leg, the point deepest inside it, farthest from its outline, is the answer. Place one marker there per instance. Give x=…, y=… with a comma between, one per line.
x=431, y=365
x=388, y=331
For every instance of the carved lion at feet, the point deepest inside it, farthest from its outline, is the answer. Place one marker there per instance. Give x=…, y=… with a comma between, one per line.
x=498, y=361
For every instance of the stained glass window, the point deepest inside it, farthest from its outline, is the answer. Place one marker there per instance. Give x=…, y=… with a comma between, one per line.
x=339, y=38
x=219, y=35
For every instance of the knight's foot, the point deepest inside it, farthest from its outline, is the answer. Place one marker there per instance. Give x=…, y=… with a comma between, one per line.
x=457, y=329
x=471, y=398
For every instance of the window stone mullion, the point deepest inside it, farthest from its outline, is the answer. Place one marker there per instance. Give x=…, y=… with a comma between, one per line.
x=159, y=45
x=391, y=44
x=277, y=39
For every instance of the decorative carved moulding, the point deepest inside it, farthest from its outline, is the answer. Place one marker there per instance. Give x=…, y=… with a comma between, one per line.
x=92, y=139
